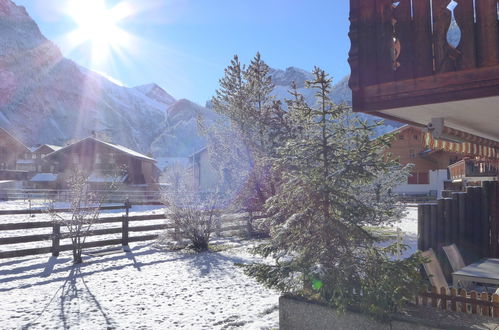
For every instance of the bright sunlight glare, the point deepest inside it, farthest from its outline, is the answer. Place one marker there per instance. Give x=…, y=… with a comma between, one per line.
x=98, y=25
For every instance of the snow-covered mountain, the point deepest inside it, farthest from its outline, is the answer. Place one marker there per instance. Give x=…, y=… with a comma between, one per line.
x=46, y=98
x=340, y=92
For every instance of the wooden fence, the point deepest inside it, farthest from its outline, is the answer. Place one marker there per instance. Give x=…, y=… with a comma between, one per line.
x=468, y=219
x=470, y=302
x=125, y=230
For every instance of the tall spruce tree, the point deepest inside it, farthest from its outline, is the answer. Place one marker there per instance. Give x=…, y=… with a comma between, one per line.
x=245, y=98
x=335, y=186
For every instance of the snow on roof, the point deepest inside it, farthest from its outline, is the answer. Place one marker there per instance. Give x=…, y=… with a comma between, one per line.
x=126, y=150
x=44, y=177
x=51, y=146
x=25, y=161
x=111, y=145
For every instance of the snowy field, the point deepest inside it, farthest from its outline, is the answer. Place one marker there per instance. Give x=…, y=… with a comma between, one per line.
x=147, y=288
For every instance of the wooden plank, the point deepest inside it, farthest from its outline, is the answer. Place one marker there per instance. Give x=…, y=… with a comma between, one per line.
x=464, y=14
x=455, y=219
x=447, y=221
x=487, y=33
x=143, y=238
x=25, y=225
x=461, y=220
x=148, y=217
x=495, y=307
x=421, y=228
x=434, y=301
x=423, y=53
x=384, y=41
x=453, y=301
x=428, y=234
x=353, y=54
x=66, y=210
x=367, y=43
x=24, y=252
x=404, y=33
x=485, y=310
x=473, y=296
x=443, y=300
x=443, y=87
x=494, y=220
x=151, y=227
x=444, y=61
x=463, y=294
x=438, y=229
x=484, y=220
x=25, y=239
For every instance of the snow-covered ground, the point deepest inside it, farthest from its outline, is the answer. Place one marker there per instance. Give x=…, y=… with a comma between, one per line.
x=148, y=287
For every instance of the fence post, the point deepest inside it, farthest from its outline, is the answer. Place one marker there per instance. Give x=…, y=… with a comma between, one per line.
x=218, y=226
x=124, y=224
x=249, y=224
x=124, y=230
x=56, y=236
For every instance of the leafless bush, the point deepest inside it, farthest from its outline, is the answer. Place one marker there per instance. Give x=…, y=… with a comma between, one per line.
x=195, y=214
x=84, y=210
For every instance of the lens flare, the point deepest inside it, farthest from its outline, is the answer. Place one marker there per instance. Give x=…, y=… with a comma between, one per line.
x=99, y=26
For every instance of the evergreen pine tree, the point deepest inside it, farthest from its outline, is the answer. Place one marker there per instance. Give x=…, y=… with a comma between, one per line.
x=335, y=186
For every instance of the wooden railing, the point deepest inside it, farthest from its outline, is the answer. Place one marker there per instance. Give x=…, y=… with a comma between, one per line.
x=450, y=47
x=470, y=302
x=471, y=168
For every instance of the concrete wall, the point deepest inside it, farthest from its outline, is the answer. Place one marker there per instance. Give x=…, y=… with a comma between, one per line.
x=437, y=178
x=297, y=314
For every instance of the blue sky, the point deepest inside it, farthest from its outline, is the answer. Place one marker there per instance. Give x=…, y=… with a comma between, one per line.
x=184, y=45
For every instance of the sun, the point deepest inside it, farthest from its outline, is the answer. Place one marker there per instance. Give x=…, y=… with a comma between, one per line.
x=99, y=26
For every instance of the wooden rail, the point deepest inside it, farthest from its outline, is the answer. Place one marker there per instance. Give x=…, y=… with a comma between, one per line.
x=124, y=230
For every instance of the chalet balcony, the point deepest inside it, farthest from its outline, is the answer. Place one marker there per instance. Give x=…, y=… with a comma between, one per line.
x=474, y=170
x=414, y=60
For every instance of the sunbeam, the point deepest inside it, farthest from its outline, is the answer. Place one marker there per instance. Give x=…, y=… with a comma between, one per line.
x=98, y=25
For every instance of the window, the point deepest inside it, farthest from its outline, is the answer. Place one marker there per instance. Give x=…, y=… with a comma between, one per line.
x=423, y=178
x=401, y=136
x=419, y=178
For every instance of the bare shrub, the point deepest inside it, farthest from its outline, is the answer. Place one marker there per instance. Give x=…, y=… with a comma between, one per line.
x=195, y=214
x=84, y=210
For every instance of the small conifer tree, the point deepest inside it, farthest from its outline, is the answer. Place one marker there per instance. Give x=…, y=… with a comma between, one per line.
x=334, y=186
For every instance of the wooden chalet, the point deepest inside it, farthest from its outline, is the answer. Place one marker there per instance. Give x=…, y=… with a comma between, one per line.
x=39, y=153
x=102, y=161
x=13, y=154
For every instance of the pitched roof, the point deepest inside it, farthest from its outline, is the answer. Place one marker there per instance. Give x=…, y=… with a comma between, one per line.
x=16, y=140
x=49, y=146
x=117, y=147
